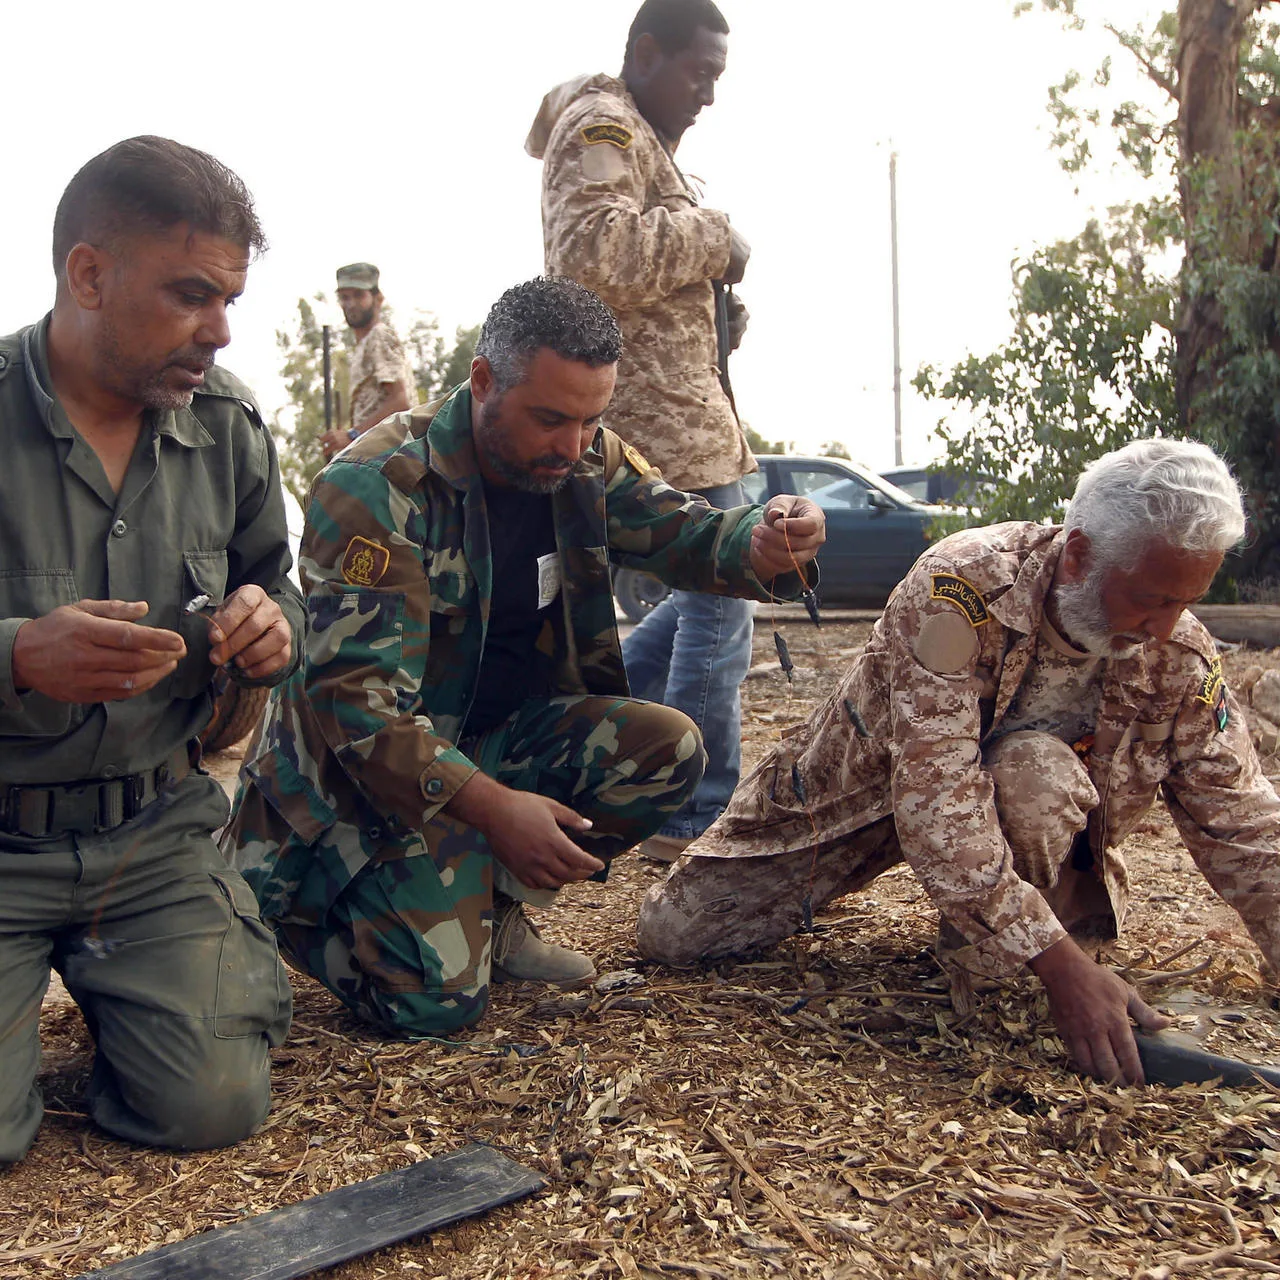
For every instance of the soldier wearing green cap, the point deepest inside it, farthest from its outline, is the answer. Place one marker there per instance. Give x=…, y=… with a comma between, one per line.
x=381, y=379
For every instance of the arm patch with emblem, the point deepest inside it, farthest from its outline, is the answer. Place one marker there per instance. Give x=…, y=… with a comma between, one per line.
x=614, y=133
x=1213, y=693
x=364, y=562
x=964, y=595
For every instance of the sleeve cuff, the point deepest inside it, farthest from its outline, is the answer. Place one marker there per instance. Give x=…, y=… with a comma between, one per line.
x=719, y=243
x=10, y=700
x=441, y=780
x=1004, y=953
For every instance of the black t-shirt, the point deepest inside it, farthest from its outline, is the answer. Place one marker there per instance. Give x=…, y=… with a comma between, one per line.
x=521, y=533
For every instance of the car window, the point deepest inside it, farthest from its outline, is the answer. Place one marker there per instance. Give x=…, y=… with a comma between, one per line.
x=755, y=487
x=918, y=489
x=828, y=489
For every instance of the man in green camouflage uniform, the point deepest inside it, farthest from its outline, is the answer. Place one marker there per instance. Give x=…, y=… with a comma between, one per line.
x=137, y=477
x=461, y=723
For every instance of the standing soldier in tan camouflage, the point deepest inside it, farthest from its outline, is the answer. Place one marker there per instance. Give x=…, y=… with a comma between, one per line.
x=459, y=739
x=619, y=216
x=1025, y=695
x=381, y=379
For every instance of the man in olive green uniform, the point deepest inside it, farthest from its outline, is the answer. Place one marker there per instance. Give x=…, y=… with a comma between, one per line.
x=459, y=739
x=145, y=546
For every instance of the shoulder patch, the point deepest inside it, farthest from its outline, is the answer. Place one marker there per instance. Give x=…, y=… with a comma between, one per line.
x=964, y=595
x=637, y=459
x=946, y=643
x=1213, y=693
x=1211, y=683
x=364, y=562
x=617, y=134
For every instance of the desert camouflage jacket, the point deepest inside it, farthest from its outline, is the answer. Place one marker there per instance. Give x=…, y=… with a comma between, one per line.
x=932, y=686
x=619, y=217
x=360, y=743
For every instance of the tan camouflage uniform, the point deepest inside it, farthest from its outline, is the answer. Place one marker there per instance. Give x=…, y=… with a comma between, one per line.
x=911, y=758
x=378, y=359
x=619, y=217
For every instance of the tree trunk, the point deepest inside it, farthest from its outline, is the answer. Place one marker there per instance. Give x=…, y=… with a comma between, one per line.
x=1210, y=33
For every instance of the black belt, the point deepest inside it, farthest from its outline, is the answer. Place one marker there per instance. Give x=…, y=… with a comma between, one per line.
x=87, y=807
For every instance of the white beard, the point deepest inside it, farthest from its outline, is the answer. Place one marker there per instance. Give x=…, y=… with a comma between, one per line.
x=1084, y=620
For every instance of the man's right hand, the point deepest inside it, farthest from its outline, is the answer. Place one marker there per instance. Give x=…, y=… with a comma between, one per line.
x=333, y=443
x=94, y=651
x=1091, y=1007
x=524, y=830
x=739, y=252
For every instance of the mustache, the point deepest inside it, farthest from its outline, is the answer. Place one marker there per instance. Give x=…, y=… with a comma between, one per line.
x=195, y=357
x=550, y=462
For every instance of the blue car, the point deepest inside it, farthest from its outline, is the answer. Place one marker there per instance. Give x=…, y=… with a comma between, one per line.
x=875, y=531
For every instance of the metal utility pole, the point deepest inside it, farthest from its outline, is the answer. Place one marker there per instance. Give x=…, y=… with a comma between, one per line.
x=897, y=355
x=328, y=384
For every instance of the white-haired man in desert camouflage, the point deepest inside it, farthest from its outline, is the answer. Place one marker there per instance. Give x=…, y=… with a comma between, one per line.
x=1026, y=694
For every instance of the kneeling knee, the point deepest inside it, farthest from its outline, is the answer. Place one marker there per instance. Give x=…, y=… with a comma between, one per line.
x=219, y=1112
x=664, y=934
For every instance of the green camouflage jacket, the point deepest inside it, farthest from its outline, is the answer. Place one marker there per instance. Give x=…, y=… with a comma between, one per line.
x=360, y=742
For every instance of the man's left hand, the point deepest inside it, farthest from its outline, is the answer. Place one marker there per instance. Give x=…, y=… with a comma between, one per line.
x=789, y=535
x=250, y=630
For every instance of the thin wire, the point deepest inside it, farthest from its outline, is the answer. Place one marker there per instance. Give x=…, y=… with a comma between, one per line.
x=796, y=783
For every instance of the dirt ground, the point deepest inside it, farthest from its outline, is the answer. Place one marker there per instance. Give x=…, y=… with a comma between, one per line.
x=820, y=1111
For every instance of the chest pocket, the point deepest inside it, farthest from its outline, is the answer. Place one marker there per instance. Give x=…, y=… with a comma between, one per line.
x=203, y=573
x=32, y=594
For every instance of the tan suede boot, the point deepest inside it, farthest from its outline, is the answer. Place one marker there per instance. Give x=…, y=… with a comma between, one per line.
x=520, y=955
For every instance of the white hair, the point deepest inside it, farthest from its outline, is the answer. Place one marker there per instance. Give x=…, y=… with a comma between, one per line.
x=1174, y=491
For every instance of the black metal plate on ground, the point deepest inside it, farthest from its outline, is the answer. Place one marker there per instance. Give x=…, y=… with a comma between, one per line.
x=342, y=1224
x=1171, y=1058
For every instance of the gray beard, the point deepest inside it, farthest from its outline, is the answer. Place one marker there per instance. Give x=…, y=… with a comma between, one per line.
x=1084, y=621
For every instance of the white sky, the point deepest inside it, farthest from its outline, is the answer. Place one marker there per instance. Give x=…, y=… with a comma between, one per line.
x=394, y=133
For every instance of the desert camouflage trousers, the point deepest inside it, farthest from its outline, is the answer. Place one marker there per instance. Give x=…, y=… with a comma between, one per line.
x=710, y=907
x=407, y=944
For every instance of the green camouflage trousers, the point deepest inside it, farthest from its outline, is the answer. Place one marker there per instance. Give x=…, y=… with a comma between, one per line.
x=406, y=944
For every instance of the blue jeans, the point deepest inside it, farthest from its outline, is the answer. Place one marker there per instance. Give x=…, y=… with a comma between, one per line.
x=692, y=653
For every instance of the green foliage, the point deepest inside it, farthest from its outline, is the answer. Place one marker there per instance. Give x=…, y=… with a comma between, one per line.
x=1088, y=368
x=758, y=444
x=436, y=367
x=835, y=449
x=303, y=372
x=1092, y=362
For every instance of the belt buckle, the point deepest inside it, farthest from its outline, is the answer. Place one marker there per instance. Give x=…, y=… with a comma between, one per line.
x=131, y=799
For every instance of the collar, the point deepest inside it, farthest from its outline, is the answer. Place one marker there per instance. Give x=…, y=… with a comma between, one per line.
x=181, y=425
x=1022, y=606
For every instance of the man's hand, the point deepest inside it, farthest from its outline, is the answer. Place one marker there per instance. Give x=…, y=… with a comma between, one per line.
x=789, y=535
x=94, y=651
x=333, y=442
x=250, y=629
x=524, y=831
x=739, y=252
x=738, y=317
x=1091, y=1007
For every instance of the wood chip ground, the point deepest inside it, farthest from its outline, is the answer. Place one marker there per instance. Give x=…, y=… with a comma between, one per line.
x=818, y=1111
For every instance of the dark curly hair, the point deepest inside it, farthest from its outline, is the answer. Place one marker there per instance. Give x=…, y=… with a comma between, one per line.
x=549, y=312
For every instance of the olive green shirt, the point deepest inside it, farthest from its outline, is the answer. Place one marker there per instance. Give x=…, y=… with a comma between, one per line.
x=200, y=511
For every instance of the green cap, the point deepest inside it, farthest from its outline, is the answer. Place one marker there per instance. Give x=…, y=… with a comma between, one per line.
x=359, y=275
